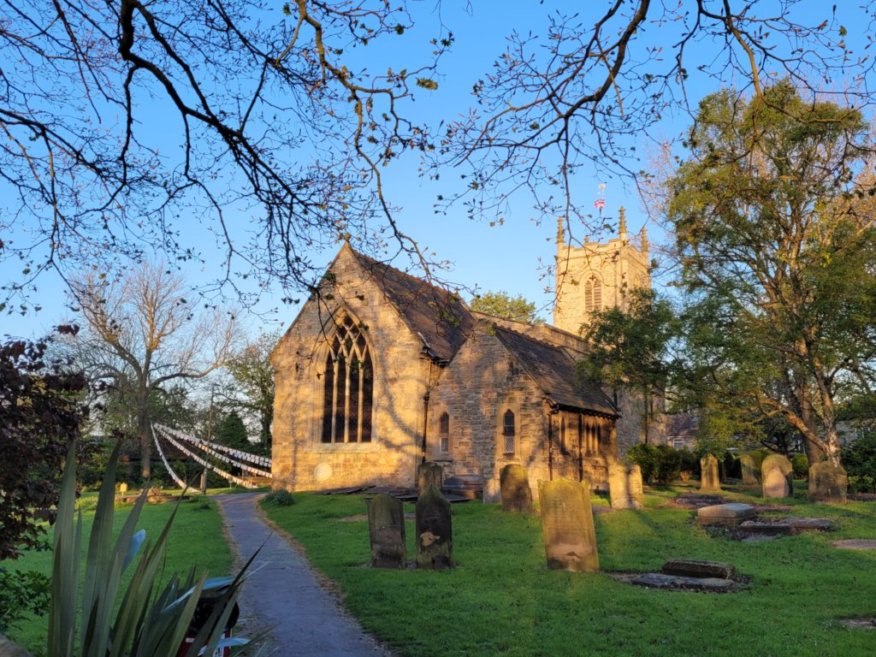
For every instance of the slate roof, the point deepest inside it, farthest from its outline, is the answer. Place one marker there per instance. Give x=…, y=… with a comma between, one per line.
x=553, y=369
x=438, y=316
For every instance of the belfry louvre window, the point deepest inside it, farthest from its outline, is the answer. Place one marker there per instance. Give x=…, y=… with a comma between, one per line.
x=592, y=295
x=348, y=386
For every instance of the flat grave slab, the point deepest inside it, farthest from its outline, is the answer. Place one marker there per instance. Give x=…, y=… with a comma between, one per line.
x=784, y=526
x=696, y=500
x=679, y=582
x=856, y=544
x=725, y=515
x=697, y=568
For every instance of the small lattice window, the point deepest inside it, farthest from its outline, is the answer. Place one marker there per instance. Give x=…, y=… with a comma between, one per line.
x=444, y=432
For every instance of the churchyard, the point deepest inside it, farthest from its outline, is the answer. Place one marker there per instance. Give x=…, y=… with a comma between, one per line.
x=501, y=599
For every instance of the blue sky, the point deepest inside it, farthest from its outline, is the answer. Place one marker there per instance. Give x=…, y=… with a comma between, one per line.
x=511, y=256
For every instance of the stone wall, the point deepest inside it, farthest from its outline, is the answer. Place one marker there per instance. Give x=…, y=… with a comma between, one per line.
x=401, y=375
x=476, y=389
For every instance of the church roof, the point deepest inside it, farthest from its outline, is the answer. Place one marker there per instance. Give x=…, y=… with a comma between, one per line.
x=438, y=316
x=553, y=369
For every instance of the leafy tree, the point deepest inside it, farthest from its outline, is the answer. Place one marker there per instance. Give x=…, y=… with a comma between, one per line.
x=41, y=413
x=253, y=388
x=633, y=347
x=777, y=242
x=141, y=336
x=232, y=432
x=859, y=459
x=502, y=304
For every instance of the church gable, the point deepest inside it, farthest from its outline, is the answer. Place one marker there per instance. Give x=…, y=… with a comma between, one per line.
x=350, y=378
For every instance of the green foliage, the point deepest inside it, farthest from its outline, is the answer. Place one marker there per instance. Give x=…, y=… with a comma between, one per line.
x=502, y=304
x=279, y=497
x=22, y=592
x=859, y=460
x=645, y=456
x=232, y=432
x=689, y=461
x=632, y=346
x=668, y=464
x=253, y=390
x=772, y=227
x=662, y=464
x=801, y=465
x=116, y=620
x=41, y=412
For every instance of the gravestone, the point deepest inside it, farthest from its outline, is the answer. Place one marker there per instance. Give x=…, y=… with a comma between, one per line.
x=434, y=531
x=516, y=493
x=710, y=480
x=776, y=473
x=827, y=483
x=386, y=526
x=567, y=525
x=625, y=486
x=429, y=474
x=749, y=469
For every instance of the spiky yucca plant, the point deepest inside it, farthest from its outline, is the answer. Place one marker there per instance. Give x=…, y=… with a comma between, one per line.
x=149, y=621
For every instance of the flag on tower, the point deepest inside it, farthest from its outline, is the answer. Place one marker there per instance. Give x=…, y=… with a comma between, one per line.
x=599, y=203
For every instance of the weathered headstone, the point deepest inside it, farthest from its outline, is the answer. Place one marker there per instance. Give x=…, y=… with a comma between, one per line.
x=710, y=480
x=386, y=526
x=749, y=469
x=516, y=493
x=625, y=486
x=434, y=531
x=567, y=525
x=429, y=474
x=827, y=483
x=776, y=472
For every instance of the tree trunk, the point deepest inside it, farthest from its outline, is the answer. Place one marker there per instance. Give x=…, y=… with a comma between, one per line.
x=145, y=432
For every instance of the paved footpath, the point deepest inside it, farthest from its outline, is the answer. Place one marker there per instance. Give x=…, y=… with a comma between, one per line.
x=282, y=596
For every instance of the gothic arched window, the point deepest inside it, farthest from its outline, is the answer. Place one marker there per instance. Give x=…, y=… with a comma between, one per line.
x=348, y=386
x=592, y=295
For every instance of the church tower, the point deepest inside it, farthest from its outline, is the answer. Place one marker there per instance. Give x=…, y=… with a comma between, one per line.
x=596, y=276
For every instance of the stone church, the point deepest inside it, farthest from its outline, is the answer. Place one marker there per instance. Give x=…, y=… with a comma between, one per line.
x=382, y=370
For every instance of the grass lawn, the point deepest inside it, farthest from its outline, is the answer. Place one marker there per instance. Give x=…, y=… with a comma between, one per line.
x=502, y=600
x=195, y=540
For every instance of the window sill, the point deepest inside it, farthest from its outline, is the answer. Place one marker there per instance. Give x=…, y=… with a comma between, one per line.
x=344, y=447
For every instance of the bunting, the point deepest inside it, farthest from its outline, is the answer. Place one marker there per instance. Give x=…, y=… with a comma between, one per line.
x=222, y=473
x=211, y=449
